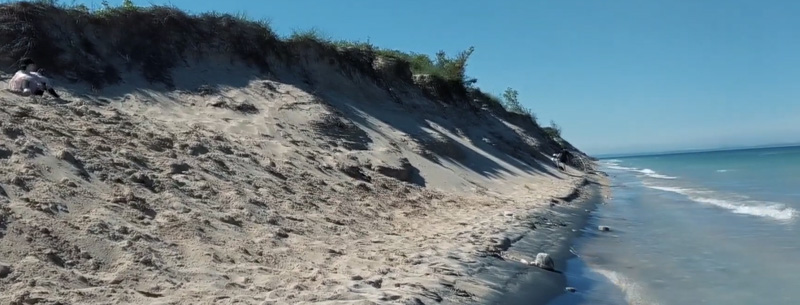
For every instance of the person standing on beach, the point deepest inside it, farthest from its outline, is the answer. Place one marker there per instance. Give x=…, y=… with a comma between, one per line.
x=29, y=81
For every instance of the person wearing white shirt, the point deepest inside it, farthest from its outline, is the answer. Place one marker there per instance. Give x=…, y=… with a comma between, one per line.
x=28, y=81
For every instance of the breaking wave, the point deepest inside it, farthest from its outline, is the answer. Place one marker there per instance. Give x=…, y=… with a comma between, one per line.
x=647, y=172
x=766, y=209
x=652, y=174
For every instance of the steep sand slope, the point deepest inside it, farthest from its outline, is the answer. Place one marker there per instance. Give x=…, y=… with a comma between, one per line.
x=250, y=194
x=311, y=182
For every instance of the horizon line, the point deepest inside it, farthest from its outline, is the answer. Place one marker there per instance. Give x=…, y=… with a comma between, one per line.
x=692, y=151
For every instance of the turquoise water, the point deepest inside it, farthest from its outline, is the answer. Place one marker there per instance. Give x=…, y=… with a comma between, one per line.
x=701, y=228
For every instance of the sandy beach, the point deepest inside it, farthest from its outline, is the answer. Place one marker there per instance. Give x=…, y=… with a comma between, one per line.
x=169, y=198
x=309, y=184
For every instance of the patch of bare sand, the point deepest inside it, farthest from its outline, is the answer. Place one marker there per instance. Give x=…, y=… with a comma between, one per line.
x=261, y=194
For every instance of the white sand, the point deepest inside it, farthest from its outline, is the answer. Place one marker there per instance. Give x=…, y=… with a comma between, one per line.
x=137, y=196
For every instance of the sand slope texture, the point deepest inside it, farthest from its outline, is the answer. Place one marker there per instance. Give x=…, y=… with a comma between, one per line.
x=307, y=184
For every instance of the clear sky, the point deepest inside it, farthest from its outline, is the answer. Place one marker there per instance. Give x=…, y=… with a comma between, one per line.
x=618, y=76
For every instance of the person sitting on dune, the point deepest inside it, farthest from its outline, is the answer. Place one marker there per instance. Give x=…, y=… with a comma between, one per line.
x=562, y=159
x=29, y=81
x=565, y=157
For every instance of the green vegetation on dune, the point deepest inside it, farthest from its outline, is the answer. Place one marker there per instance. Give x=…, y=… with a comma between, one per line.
x=553, y=131
x=445, y=73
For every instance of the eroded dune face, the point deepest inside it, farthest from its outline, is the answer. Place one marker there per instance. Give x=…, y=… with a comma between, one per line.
x=233, y=185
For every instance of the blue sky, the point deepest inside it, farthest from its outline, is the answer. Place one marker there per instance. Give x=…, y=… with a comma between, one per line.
x=618, y=76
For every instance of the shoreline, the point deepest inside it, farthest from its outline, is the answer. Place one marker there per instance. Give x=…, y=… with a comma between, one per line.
x=503, y=278
x=569, y=220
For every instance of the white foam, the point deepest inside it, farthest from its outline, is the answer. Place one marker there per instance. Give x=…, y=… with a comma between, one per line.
x=634, y=293
x=764, y=209
x=772, y=210
x=653, y=174
x=647, y=172
x=723, y=170
x=678, y=190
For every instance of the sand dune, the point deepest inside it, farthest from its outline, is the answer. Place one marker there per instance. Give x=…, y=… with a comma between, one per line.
x=299, y=186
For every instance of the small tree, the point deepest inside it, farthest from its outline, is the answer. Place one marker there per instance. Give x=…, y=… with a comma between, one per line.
x=511, y=104
x=454, y=68
x=128, y=5
x=511, y=97
x=511, y=101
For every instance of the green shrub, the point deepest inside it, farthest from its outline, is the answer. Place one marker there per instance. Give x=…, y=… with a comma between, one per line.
x=312, y=34
x=128, y=5
x=511, y=104
x=553, y=131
